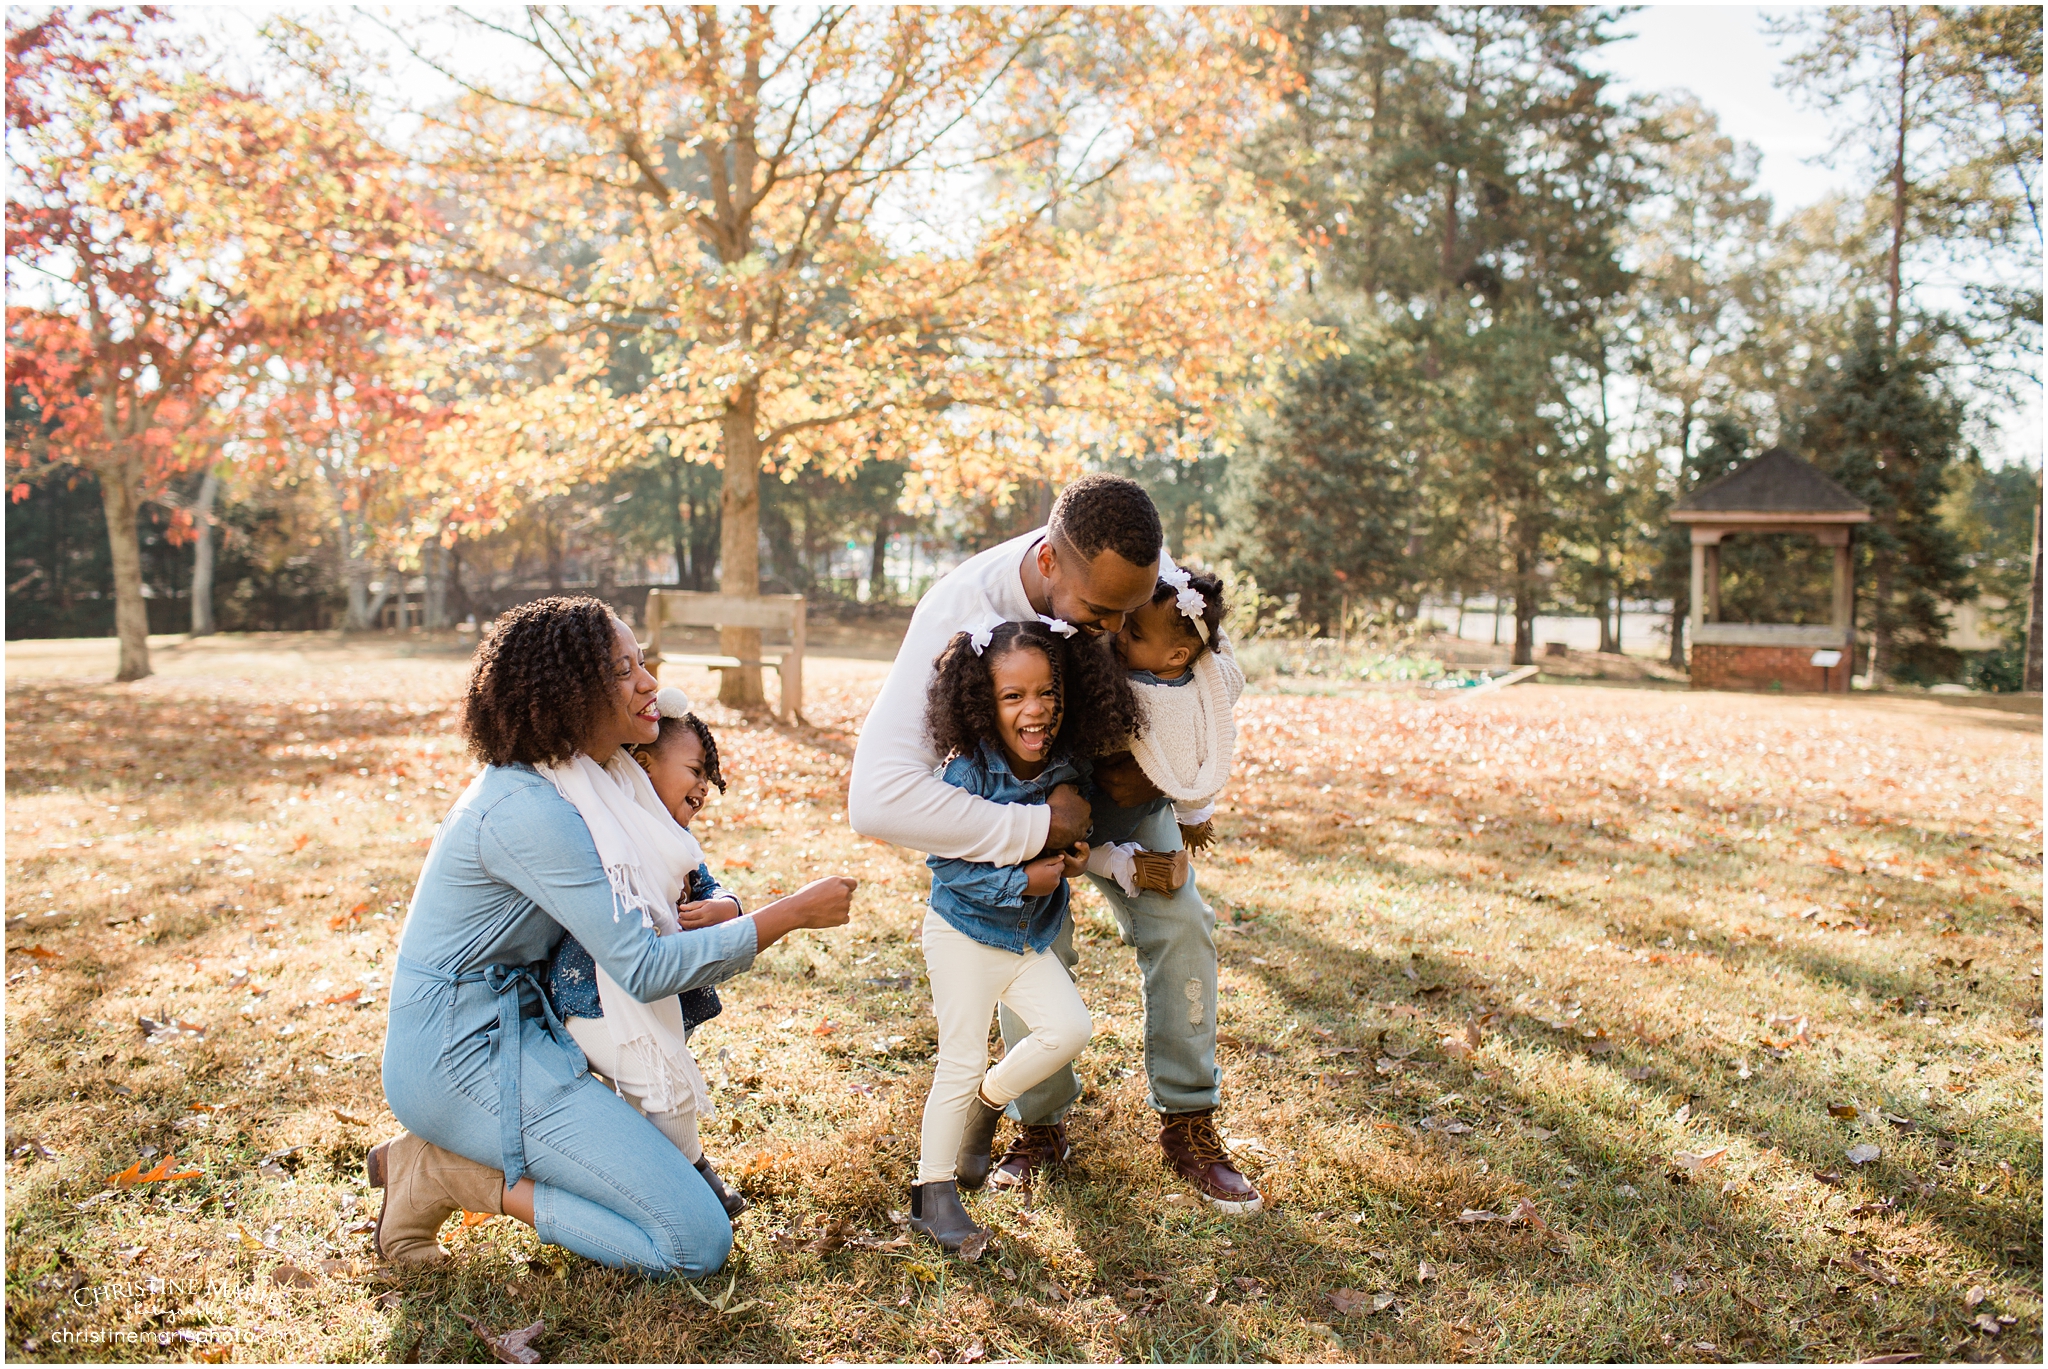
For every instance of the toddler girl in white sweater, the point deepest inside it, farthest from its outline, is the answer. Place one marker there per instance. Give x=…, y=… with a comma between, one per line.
x=1187, y=682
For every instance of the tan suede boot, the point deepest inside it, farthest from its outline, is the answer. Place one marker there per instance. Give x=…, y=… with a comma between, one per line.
x=422, y=1184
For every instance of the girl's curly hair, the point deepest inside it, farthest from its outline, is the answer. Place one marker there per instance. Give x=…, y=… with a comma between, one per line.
x=671, y=728
x=1210, y=587
x=1098, y=711
x=542, y=682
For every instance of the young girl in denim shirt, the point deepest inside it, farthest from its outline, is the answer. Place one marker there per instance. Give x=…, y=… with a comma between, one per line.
x=1018, y=709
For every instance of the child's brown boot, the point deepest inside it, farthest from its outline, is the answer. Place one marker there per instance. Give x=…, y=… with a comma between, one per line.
x=936, y=1211
x=1160, y=872
x=977, y=1143
x=728, y=1197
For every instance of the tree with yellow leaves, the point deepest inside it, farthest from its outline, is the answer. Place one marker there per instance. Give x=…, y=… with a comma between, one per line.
x=988, y=242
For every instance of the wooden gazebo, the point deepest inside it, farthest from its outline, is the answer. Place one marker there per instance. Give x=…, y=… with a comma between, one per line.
x=1776, y=492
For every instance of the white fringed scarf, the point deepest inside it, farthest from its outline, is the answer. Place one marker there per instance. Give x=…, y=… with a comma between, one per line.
x=647, y=857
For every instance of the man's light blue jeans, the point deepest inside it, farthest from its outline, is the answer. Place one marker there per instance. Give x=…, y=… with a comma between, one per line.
x=1175, y=939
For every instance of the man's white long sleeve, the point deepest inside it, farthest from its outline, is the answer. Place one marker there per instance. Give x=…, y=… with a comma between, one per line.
x=896, y=794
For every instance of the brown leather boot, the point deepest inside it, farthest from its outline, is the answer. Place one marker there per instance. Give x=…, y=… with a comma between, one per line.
x=1194, y=1150
x=422, y=1185
x=1161, y=872
x=935, y=1209
x=1035, y=1148
x=977, y=1143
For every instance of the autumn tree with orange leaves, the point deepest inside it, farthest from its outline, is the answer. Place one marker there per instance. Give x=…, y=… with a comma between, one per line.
x=166, y=234
x=989, y=242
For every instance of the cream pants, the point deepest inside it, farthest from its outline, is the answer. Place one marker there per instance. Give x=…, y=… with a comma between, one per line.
x=628, y=1081
x=968, y=981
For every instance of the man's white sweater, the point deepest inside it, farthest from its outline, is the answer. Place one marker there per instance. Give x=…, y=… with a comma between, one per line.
x=896, y=794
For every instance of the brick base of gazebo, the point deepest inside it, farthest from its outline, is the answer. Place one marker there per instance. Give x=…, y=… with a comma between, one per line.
x=1787, y=668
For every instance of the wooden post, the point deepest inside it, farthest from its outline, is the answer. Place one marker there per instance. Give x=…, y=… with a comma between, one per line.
x=1713, y=604
x=1699, y=586
x=651, y=648
x=792, y=672
x=1845, y=593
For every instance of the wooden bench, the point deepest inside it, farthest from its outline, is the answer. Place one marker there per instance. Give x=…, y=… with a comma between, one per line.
x=772, y=612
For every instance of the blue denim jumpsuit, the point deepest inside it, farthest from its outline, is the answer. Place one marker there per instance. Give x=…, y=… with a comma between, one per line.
x=476, y=1061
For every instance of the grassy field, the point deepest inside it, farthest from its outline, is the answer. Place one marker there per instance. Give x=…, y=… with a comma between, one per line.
x=1736, y=1000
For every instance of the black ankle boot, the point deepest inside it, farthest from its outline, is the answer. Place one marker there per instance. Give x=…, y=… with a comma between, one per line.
x=976, y=1141
x=732, y=1202
x=935, y=1210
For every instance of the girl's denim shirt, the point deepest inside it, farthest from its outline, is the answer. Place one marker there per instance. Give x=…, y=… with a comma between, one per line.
x=988, y=902
x=572, y=975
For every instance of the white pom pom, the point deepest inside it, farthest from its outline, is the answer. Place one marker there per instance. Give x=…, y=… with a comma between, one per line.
x=672, y=702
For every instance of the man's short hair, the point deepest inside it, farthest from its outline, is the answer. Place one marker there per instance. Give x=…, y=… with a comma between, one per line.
x=1100, y=512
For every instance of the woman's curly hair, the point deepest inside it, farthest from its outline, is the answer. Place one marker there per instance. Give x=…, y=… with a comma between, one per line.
x=671, y=728
x=1098, y=710
x=1210, y=587
x=542, y=682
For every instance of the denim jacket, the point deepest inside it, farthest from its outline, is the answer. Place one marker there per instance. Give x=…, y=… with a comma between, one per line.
x=988, y=902
x=572, y=974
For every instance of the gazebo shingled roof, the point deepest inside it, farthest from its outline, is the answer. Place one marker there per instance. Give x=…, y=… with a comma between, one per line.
x=1776, y=482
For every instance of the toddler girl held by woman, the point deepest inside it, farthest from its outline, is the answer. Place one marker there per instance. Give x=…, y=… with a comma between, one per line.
x=1187, y=683
x=643, y=1048
x=1017, y=708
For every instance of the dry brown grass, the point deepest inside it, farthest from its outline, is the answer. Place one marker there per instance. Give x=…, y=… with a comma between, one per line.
x=1632, y=896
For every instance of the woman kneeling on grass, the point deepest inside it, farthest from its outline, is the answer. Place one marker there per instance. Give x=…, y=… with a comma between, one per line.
x=502, y=1113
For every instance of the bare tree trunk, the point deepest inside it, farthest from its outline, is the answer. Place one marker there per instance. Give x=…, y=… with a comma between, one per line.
x=434, y=559
x=739, y=549
x=1880, y=622
x=1903, y=21
x=551, y=539
x=121, y=497
x=1610, y=644
x=878, y=580
x=1681, y=605
x=2030, y=677
x=202, y=556
x=1528, y=593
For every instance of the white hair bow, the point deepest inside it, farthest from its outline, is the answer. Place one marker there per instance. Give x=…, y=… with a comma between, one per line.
x=978, y=635
x=1059, y=625
x=1186, y=597
x=671, y=702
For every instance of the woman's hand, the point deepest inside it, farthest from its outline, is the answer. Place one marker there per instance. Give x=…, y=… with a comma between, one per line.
x=826, y=902
x=707, y=912
x=1042, y=874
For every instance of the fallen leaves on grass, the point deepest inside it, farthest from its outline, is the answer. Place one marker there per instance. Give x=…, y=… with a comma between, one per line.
x=1461, y=1044
x=164, y=1172
x=513, y=1347
x=289, y=1275
x=723, y=1304
x=169, y=1033
x=1865, y=1262
x=1863, y=1154
x=1692, y=1162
